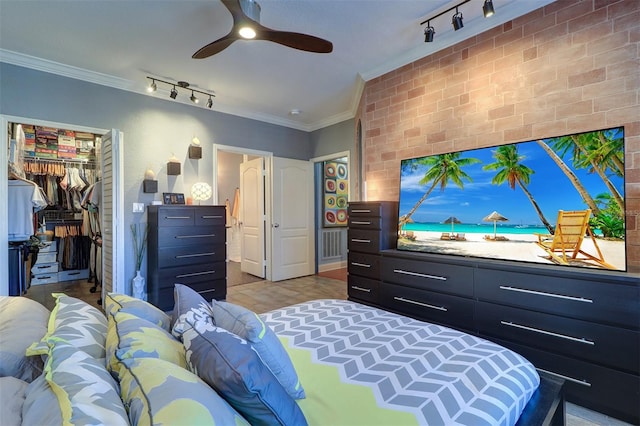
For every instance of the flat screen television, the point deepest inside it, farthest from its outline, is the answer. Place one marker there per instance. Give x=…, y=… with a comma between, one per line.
x=558, y=200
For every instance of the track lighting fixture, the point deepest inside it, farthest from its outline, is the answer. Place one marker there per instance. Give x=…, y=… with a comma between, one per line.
x=456, y=19
x=487, y=8
x=429, y=32
x=173, y=94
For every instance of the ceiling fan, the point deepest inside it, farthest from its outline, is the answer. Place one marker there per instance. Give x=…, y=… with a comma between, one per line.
x=246, y=26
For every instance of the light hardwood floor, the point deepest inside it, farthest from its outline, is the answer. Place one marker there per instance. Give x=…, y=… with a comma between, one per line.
x=262, y=296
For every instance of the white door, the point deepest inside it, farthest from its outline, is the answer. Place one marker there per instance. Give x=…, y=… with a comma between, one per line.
x=112, y=213
x=252, y=218
x=293, y=224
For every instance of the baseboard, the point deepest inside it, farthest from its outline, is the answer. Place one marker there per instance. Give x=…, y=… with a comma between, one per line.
x=332, y=266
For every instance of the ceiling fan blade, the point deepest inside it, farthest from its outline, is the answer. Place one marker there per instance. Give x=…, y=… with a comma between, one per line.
x=298, y=41
x=215, y=47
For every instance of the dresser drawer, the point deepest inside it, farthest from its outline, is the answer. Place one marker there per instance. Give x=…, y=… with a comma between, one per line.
x=363, y=241
x=368, y=209
x=44, y=279
x=45, y=268
x=366, y=265
x=428, y=306
x=213, y=215
x=73, y=274
x=192, y=274
x=602, y=389
x=602, y=344
x=371, y=223
x=162, y=297
x=176, y=216
x=365, y=289
x=191, y=235
x=578, y=298
x=444, y=277
x=46, y=257
x=190, y=255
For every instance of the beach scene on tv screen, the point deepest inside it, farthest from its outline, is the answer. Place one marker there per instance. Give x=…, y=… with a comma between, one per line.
x=558, y=201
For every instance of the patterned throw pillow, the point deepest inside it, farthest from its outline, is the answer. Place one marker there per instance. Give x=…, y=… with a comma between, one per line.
x=230, y=366
x=133, y=337
x=86, y=392
x=158, y=392
x=76, y=322
x=249, y=326
x=115, y=302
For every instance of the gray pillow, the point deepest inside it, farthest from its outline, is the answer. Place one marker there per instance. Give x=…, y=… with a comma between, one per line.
x=12, y=391
x=249, y=326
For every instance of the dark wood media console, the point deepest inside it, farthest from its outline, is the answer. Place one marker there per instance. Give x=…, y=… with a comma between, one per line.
x=579, y=325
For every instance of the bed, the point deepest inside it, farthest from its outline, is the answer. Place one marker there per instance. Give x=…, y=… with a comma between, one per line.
x=324, y=362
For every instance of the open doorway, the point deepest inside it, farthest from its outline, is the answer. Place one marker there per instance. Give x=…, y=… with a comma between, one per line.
x=235, y=170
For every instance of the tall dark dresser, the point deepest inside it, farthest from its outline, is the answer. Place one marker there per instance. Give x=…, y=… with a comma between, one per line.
x=187, y=245
x=373, y=226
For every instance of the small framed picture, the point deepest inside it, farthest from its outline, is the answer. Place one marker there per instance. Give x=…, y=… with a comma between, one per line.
x=172, y=198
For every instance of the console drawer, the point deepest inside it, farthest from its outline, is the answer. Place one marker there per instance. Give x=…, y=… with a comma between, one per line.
x=596, y=301
x=363, y=240
x=363, y=288
x=428, y=306
x=602, y=344
x=444, y=277
x=366, y=265
x=602, y=389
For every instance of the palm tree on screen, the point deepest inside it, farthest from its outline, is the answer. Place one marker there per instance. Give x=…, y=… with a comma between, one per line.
x=510, y=169
x=442, y=169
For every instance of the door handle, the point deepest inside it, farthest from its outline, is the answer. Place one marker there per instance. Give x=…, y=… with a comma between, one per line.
x=276, y=225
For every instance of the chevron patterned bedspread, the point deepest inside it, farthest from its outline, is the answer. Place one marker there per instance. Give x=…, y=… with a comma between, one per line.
x=361, y=365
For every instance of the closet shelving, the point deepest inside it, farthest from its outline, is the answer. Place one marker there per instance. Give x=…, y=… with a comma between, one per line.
x=66, y=171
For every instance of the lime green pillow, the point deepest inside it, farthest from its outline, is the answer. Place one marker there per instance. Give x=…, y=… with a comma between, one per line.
x=115, y=302
x=133, y=337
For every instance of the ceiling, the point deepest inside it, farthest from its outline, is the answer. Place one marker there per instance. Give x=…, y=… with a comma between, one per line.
x=120, y=42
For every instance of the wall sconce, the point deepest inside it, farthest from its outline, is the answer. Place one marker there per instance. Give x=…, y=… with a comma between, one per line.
x=195, y=150
x=201, y=191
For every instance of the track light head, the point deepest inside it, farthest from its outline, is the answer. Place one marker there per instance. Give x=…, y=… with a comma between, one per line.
x=209, y=102
x=429, y=32
x=193, y=98
x=152, y=87
x=456, y=20
x=174, y=93
x=487, y=8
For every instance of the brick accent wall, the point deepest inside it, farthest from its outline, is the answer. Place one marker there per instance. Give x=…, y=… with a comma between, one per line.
x=571, y=66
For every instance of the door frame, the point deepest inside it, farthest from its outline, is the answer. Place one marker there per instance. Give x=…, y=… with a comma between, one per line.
x=4, y=191
x=268, y=196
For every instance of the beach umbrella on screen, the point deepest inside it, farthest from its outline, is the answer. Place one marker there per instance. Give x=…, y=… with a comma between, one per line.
x=495, y=217
x=452, y=220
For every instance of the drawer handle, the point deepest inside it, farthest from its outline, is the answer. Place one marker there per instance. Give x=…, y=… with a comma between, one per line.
x=358, y=240
x=211, y=217
x=44, y=267
x=417, y=274
x=571, y=379
x=177, y=217
x=543, y=293
x=426, y=305
x=73, y=273
x=364, y=265
x=194, y=236
x=195, y=274
x=549, y=333
x=182, y=256
x=44, y=278
x=366, y=290
x=357, y=222
x=360, y=211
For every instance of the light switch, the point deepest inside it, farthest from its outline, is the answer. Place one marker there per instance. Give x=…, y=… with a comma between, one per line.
x=138, y=207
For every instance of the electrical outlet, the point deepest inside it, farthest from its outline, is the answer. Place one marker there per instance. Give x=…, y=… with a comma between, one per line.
x=138, y=207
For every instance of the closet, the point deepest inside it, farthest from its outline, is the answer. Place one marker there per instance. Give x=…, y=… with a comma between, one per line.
x=54, y=193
